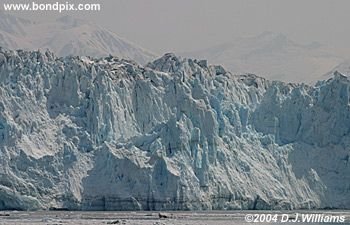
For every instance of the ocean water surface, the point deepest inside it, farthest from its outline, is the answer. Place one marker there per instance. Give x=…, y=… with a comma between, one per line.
x=175, y=218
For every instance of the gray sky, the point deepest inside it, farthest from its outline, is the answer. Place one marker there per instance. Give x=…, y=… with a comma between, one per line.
x=183, y=25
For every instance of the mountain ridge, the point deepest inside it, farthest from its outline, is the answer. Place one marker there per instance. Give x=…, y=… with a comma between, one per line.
x=272, y=55
x=67, y=36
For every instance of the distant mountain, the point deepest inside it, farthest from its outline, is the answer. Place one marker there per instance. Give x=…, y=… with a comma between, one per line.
x=343, y=68
x=67, y=36
x=12, y=32
x=13, y=25
x=273, y=56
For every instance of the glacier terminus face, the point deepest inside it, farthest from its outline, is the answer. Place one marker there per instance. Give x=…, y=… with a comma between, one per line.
x=82, y=133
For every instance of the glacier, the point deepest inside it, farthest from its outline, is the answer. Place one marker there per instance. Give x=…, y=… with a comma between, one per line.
x=82, y=133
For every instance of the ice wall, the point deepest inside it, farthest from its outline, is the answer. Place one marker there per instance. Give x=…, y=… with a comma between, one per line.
x=177, y=134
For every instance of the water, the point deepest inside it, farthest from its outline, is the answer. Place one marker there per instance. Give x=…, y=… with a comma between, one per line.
x=156, y=218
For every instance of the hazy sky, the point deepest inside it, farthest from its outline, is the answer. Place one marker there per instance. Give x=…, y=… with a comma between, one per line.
x=182, y=25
